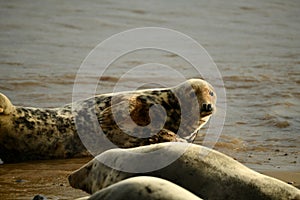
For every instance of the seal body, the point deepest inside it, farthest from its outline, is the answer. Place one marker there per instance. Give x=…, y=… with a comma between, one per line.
x=126, y=119
x=36, y=133
x=143, y=187
x=204, y=172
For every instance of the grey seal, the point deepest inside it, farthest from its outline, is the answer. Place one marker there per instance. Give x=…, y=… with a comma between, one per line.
x=204, y=172
x=143, y=187
x=28, y=133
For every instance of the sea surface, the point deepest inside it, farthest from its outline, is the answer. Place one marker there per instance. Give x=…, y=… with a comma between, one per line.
x=255, y=45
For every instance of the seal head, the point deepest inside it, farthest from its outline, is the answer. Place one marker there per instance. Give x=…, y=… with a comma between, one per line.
x=6, y=106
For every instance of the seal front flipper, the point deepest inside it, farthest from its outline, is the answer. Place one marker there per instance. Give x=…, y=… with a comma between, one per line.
x=135, y=123
x=119, y=127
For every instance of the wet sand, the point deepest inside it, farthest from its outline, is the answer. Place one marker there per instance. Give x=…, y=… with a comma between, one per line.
x=290, y=177
x=49, y=178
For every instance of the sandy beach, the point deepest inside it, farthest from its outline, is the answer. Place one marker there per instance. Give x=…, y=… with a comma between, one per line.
x=49, y=178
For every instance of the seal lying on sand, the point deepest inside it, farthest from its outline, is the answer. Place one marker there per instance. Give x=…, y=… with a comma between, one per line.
x=143, y=187
x=204, y=172
x=127, y=119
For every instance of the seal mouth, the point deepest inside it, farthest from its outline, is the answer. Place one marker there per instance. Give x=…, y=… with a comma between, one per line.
x=205, y=113
x=206, y=109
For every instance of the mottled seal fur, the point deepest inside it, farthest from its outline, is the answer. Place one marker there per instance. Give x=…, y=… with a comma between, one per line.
x=36, y=133
x=204, y=172
x=28, y=133
x=143, y=187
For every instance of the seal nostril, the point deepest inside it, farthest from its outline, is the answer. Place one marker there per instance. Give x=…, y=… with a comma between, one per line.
x=207, y=107
x=204, y=106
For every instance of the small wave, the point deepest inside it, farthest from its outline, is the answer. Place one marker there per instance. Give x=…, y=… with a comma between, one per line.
x=141, y=12
x=26, y=83
x=282, y=124
x=267, y=117
x=224, y=142
x=257, y=149
x=247, y=8
x=270, y=120
x=69, y=26
x=5, y=87
x=241, y=123
x=12, y=63
x=109, y=79
x=287, y=104
x=241, y=79
x=238, y=87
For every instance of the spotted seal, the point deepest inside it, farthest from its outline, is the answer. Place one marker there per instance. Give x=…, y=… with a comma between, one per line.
x=204, y=172
x=28, y=133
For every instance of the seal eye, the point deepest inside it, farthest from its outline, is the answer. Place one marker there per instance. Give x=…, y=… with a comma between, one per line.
x=211, y=93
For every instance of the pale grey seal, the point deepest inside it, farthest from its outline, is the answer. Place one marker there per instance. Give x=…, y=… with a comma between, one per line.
x=143, y=187
x=204, y=172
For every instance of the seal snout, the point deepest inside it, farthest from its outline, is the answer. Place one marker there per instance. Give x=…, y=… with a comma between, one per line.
x=206, y=109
